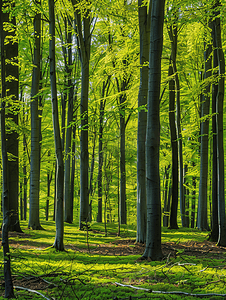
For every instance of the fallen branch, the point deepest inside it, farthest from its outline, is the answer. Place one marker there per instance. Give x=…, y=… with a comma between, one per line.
x=171, y=293
x=32, y=291
x=133, y=287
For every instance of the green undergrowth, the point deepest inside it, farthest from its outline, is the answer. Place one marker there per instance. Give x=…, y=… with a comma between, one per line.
x=75, y=274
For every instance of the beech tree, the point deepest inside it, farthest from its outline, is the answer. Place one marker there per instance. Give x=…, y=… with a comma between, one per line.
x=153, y=242
x=220, y=135
x=9, y=293
x=202, y=222
x=83, y=27
x=144, y=29
x=58, y=244
x=10, y=42
x=34, y=222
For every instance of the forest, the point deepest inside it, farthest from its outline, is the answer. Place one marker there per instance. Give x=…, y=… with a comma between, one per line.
x=112, y=135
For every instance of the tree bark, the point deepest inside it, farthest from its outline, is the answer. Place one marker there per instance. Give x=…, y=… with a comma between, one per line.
x=202, y=222
x=215, y=228
x=5, y=171
x=173, y=35
x=34, y=221
x=84, y=43
x=167, y=193
x=123, y=207
x=67, y=200
x=58, y=244
x=153, y=243
x=220, y=133
x=144, y=30
x=100, y=165
x=11, y=90
x=174, y=146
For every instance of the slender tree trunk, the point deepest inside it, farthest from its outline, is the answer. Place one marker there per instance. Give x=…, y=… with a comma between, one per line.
x=173, y=34
x=166, y=210
x=193, y=200
x=24, y=175
x=5, y=171
x=6, y=212
x=58, y=244
x=100, y=165
x=186, y=195
x=215, y=228
x=123, y=208
x=174, y=146
x=144, y=29
x=21, y=201
x=153, y=242
x=72, y=172
x=11, y=89
x=220, y=133
x=202, y=222
x=67, y=200
x=49, y=179
x=84, y=43
x=34, y=221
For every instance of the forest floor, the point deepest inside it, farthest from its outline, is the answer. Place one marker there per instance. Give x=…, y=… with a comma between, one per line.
x=99, y=266
x=125, y=247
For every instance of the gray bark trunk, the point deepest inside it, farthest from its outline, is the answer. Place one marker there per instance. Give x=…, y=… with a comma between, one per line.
x=84, y=43
x=153, y=242
x=123, y=208
x=5, y=174
x=186, y=195
x=220, y=133
x=12, y=140
x=9, y=293
x=202, y=222
x=72, y=173
x=34, y=221
x=215, y=228
x=193, y=200
x=58, y=244
x=100, y=165
x=173, y=38
x=167, y=191
x=174, y=146
x=144, y=29
x=67, y=200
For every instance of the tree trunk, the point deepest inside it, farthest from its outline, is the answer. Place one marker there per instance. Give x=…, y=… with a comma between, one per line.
x=173, y=34
x=100, y=165
x=67, y=200
x=123, y=209
x=5, y=171
x=193, y=200
x=6, y=212
x=144, y=29
x=84, y=43
x=58, y=244
x=11, y=90
x=186, y=195
x=34, y=221
x=153, y=243
x=202, y=222
x=215, y=228
x=24, y=179
x=220, y=133
x=174, y=146
x=166, y=210
x=72, y=172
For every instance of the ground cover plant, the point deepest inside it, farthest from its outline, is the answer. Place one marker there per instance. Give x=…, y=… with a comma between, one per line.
x=99, y=266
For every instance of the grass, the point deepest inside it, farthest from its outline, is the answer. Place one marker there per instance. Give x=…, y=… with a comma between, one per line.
x=79, y=275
